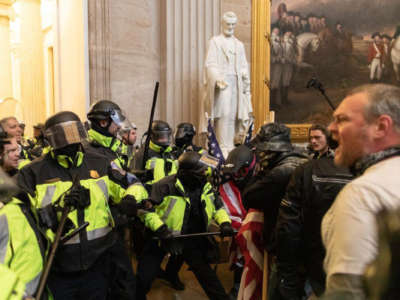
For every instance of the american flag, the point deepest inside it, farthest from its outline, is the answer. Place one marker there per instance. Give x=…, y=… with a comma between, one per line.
x=249, y=134
x=249, y=239
x=213, y=146
x=232, y=201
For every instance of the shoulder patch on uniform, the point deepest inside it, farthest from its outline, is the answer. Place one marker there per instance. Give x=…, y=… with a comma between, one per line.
x=94, y=174
x=52, y=180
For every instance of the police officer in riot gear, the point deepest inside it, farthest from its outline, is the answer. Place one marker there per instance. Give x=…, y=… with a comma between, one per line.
x=183, y=142
x=160, y=161
x=161, y=134
x=184, y=139
x=127, y=134
x=106, y=119
x=174, y=215
x=38, y=145
x=19, y=236
x=85, y=182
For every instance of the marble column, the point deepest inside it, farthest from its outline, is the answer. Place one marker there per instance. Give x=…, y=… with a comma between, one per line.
x=99, y=49
x=186, y=27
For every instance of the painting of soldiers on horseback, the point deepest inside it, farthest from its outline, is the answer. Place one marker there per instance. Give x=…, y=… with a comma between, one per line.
x=342, y=44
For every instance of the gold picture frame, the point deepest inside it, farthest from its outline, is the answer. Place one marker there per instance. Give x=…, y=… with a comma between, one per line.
x=260, y=69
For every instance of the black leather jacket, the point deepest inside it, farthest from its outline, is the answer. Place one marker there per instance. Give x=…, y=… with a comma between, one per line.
x=310, y=193
x=266, y=190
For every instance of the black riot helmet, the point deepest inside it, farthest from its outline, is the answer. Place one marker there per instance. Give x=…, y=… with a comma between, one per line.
x=64, y=129
x=193, y=168
x=161, y=133
x=184, y=134
x=104, y=110
x=109, y=111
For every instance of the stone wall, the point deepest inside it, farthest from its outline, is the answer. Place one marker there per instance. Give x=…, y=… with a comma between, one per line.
x=124, y=43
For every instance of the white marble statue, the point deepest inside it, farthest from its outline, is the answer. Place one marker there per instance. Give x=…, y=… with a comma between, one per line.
x=227, y=98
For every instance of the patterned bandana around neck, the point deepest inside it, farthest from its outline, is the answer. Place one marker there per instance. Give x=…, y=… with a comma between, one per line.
x=359, y=167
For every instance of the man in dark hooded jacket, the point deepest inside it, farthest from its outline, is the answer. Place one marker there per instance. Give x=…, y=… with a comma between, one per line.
x=266, y=190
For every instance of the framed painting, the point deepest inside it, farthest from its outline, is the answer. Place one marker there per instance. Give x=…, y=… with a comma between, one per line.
x=328, y=46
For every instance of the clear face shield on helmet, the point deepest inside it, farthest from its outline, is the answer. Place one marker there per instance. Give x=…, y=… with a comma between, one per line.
x=66, y=133
x=125, y=127
x=118, y=117
x=161, y=138
x=180, y=133
x=183, y=136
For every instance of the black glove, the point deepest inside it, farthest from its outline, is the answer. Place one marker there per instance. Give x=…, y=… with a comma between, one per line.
x=226, y=229
x=168, y=243
x=163, y=233
x=78, y=197
x=128, y=206
x=48, y=217
x=172, y=246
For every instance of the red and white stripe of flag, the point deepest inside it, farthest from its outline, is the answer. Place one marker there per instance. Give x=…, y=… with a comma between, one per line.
x=249, y=240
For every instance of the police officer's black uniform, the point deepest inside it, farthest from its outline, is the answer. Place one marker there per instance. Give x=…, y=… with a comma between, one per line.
x=83, y=181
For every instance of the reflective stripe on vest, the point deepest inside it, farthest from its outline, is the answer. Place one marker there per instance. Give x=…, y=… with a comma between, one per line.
x=102, y=185
x=171, y=205
x=152, y=164
x=4, y=241
x=33, y=285
x=50, y=190
x=91, y=235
